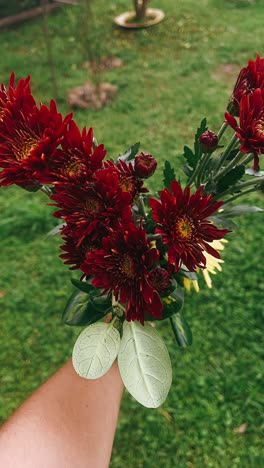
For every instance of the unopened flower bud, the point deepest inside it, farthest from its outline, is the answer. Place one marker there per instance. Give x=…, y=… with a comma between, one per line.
x=208, y=141
x=145, y=165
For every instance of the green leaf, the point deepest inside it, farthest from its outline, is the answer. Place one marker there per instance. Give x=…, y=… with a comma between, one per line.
x=230, y=179
x=239, y=210
x=187, y=171
x=200, y=130
x=56, y=230
x=182, y=331
x=188, y=274
x=232, y=154
x=31, y=188
x=84, y=309
x=173, y=303
x=223, y=221
x=82, y=285
x=169, y=174
x=144, y=364
x=190, y=157
x=95, y=350
x=130, y=153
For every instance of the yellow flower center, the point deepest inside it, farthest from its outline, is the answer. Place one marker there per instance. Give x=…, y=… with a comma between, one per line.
x=24, y=143
x=184, y=228
x=72, y=168
x=93, y=206
x=126, y=184
x=127, y=266
x=260, y=127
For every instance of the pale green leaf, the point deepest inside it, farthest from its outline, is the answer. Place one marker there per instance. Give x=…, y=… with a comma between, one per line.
x=56, y=230
x=239, y=210
x=95, y=350
x=144, y=364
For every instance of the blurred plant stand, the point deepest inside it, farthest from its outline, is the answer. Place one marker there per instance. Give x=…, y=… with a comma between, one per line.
x=141, y=17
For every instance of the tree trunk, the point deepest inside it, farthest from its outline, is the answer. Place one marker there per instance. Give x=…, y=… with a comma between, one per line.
x=140, y=8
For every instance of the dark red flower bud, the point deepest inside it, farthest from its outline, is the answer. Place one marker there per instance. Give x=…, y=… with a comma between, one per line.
x=160, y=280
x=208, y=141
x=145, y=165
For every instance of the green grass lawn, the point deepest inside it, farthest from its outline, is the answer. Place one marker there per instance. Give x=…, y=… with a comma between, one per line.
x=172, y=76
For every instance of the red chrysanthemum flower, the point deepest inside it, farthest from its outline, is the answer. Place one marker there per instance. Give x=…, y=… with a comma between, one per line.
x=184, y=227
x=86, y=209
x=18, y=96
x=122, y=266
x=249, y=79
x=28, y=137
x=76, y=161
x=75, y=252
x=251, y=129
x=129, y=181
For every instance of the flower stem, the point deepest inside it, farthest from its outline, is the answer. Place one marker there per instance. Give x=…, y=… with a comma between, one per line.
x=118, y=308
x=248, y=159
x=225, y=154
x=229, y=166
x=206, y=157
x=255, y=182
x=240, y=195
x=195, y=172
x=222, y=130
x=202, y=166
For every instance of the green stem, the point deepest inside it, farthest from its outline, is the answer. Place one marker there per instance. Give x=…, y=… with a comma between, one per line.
x=255, y=181
x=240, y=195
x=203, y=165
x=117, y=308
x=248, y=159
x=206, y=157
x=225, y=154
x=222, y=130
x=195, y=172
x=229, y=166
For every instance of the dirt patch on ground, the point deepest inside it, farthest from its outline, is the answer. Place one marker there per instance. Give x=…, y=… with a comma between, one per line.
x=226, y=72
x=90, y=96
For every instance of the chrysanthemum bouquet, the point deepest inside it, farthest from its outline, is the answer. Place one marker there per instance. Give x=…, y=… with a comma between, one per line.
x=137, y=251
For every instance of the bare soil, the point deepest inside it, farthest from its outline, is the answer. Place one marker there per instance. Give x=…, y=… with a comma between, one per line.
x=90, y=96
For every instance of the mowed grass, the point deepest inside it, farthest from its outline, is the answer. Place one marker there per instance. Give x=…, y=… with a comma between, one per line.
x=172, y=76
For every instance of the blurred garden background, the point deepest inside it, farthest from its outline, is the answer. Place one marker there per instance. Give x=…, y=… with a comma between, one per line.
x=171, y=76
